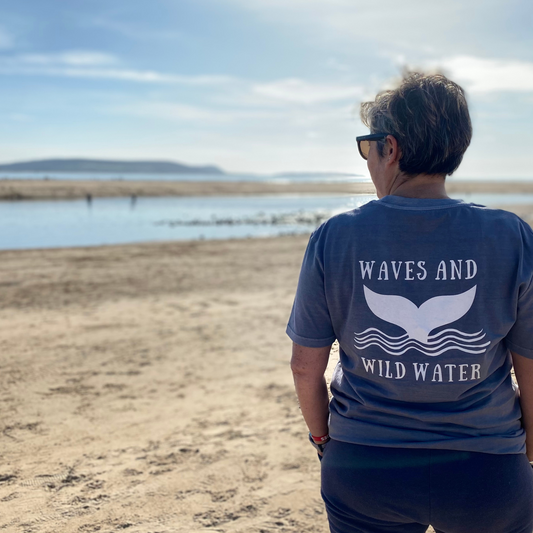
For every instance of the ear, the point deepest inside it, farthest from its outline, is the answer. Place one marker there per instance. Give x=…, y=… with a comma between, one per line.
x=391, y=151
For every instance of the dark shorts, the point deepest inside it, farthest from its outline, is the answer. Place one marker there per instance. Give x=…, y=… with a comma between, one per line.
x=370, y=489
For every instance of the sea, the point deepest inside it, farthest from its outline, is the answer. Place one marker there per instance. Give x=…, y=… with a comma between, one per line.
x=106, y=221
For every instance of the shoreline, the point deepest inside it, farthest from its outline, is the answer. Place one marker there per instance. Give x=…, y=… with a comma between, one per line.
x=73, y=189
x=30, y=189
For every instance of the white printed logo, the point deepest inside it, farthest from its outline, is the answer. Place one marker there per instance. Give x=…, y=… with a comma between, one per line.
x=418, y=322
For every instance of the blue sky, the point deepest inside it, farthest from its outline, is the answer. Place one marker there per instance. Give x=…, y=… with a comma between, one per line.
x=253, y=85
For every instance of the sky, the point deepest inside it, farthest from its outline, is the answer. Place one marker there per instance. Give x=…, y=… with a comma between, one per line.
x=259, y=86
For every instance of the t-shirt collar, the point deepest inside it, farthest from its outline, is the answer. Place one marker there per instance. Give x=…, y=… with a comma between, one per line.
x=423, y=203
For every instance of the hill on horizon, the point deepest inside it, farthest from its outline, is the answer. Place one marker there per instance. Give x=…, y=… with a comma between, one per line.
x=99, y=165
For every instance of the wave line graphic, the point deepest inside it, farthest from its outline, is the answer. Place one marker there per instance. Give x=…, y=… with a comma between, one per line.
x=480, y=350
x=404, y=336
x=414, y=344
x=454, y=331
x=437, y=344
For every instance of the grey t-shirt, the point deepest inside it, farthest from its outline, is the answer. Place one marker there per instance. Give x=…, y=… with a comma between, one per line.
x=426, y=298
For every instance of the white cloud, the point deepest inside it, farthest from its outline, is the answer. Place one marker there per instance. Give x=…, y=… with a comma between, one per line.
x=302, y=92
x=481, y=75
x=97, y=65
x=297, y=118
x=146, y=76
x=476, y=74
x=74, y=58
x=190, y=113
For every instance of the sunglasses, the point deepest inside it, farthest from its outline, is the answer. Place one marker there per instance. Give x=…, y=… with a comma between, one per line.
x=363, y=143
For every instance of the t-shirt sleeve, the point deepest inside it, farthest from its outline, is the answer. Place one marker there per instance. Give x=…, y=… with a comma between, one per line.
x=520, y=337
x=310, y=322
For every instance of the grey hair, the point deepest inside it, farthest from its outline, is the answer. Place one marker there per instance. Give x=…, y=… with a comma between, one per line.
x=428, y=115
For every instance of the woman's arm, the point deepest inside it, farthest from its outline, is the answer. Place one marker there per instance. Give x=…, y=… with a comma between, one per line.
x=523, y=368
x=308, y=366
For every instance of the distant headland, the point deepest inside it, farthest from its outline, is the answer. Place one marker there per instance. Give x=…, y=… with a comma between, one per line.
x=98, y=165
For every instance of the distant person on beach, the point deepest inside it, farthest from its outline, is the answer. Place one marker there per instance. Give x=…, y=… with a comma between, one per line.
x=431, y=302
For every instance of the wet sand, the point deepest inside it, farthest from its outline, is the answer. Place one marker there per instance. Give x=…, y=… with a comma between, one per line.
x=13, y=189
x=65, y=189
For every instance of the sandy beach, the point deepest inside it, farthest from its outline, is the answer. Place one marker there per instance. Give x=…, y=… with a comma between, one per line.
x=44, y=189
x=147, y=388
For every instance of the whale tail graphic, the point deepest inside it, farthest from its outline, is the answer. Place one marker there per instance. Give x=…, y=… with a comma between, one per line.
x=418, y=322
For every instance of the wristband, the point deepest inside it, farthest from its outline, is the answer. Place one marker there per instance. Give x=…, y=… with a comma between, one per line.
x=320, y=440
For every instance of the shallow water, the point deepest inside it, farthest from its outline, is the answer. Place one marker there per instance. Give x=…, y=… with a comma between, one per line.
x=46, y=224
x=63, y=223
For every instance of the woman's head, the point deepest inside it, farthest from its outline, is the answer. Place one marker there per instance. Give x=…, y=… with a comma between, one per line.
x=428, y=116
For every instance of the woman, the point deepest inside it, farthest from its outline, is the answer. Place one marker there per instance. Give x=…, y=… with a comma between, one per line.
x=431, y=301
